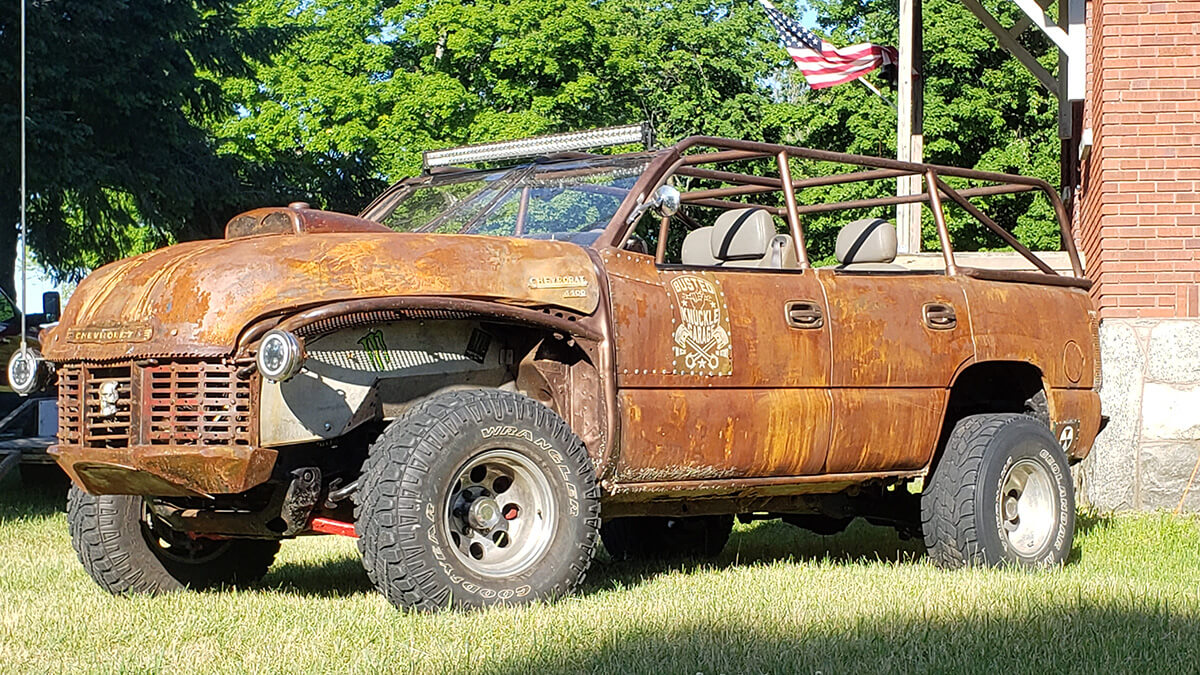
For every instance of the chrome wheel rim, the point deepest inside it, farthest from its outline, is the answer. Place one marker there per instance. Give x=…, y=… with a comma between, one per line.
x=1027, y=511
x=499, y=513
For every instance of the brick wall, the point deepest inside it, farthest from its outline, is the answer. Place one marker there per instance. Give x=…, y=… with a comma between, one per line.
x=1140, y=202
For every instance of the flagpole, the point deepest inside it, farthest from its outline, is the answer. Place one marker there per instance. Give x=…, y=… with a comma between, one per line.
x=871, y=88
x=24, y=199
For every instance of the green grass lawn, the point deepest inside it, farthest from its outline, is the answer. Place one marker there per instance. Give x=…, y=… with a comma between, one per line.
x=777, y=600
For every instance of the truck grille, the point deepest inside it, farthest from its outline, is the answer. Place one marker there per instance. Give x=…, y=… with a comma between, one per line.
x=196, y=404
x=185, y=404
x=107, y=408
x=70, y=406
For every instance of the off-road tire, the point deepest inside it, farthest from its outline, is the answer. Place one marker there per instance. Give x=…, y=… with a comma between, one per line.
x=402, y=504
x=962, y=508
x=659, y=538
x=107, y=533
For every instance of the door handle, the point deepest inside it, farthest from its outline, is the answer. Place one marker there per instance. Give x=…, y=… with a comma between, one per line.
x=804, y=314
x=939, y=316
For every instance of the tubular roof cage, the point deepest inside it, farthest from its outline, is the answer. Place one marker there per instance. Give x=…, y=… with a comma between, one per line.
x=541, y=145
x=707, y=150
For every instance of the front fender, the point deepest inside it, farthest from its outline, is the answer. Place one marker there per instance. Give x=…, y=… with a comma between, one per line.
x=194, y=299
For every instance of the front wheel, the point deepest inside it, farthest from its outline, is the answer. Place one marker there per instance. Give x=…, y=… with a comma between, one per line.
x=125, y=549
x=1001, y=494
x=473, y=498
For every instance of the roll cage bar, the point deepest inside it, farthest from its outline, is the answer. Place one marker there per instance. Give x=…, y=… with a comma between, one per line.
x=711, y=150
x=689, y=156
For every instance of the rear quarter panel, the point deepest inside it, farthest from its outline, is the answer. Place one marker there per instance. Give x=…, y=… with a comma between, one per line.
x=1053, y=328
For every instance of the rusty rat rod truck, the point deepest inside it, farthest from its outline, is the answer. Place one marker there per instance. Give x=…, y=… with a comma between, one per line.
x=489, y=372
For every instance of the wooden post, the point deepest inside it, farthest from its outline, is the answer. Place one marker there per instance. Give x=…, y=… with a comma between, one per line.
x=910, y=139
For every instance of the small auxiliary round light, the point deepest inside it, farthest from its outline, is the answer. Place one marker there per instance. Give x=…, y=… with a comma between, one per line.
x=25, y=371
x=280, y=355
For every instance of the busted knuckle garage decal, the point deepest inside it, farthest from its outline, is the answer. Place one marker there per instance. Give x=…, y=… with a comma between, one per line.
x=701, y=336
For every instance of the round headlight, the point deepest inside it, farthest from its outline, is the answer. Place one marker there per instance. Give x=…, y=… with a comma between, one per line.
x=280, y=355
x=26, y=370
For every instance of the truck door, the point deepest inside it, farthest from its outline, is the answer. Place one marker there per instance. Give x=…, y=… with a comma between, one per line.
x=721, y=373
x=898, y=339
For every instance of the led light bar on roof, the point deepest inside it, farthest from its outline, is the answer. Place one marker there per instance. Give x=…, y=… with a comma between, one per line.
x=541, y=145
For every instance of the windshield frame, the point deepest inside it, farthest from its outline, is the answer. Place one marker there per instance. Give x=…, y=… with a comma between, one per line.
x=652, y=161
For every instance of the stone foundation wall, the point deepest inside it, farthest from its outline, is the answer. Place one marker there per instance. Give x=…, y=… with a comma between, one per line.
x=1146, y=456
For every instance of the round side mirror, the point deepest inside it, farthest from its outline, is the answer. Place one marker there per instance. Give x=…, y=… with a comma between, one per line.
x=666, y=201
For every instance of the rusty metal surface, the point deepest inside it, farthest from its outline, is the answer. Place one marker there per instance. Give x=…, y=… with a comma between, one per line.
x=753, y=487
x=1069, y=406
x=717, y=384
x=195, y=298
x=223, y=470
x=890, y=370
x=706, y=434
x=1033, y=323
x=190, y=423
x=296, y=219
x=879, y=336
x=884, y=429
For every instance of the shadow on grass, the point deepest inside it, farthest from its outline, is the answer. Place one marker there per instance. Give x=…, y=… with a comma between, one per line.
x=34, y=499
x=763, y=542
x=334, y=578
x=766, y=542
x=1085, y=523
x=1061, y=637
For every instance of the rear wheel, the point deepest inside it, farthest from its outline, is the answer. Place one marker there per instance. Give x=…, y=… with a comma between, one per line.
x=650, y=537
x=125, y=549
x=1001, y=493
x=474, y=498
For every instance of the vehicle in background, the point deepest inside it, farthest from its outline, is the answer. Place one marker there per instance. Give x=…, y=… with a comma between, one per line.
x=28, y=426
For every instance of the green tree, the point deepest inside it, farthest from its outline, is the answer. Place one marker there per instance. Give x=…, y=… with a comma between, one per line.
x=119, y=156
x=983, y=110
x=368, y=86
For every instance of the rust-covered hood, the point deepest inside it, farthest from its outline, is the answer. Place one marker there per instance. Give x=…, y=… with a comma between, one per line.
x=195, y=298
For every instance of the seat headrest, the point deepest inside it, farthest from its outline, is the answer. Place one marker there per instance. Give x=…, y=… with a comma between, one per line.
x=871, y=240
x=696, y=248
x=742, y=234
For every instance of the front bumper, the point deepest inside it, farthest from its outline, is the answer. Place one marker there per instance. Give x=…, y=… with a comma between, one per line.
x=173, y=429
x=165, y=471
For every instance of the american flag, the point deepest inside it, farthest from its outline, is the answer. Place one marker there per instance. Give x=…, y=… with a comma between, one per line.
x=823, y=64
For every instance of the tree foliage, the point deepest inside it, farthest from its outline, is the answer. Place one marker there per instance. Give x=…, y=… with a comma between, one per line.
x=155, y=120
x=120, y=157
x=369, y=85
x=983, y=110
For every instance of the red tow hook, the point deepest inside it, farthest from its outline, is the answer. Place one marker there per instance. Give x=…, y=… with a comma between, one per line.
x=331, y=526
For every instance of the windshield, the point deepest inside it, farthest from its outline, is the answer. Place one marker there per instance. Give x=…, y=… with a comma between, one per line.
x=572, y=201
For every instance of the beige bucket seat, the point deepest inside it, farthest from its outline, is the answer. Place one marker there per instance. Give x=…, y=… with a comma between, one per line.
x=740, y=238
x=867, y=245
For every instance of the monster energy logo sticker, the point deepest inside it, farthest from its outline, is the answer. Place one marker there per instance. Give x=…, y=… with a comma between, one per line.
x=376, y=349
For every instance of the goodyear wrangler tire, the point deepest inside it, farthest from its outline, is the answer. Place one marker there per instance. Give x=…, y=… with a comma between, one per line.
x=1001, y=494
x=125, y=550
x=474, y=498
